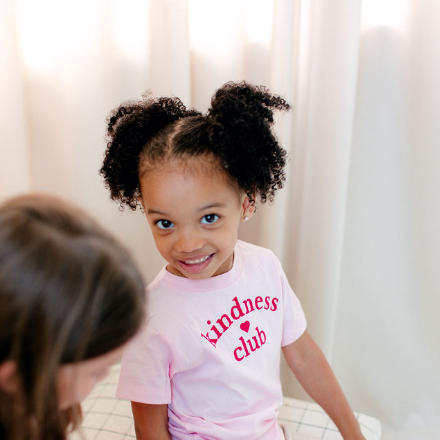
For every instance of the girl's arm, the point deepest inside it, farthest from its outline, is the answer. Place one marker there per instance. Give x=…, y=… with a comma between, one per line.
x=314, y=373
x=150, y=421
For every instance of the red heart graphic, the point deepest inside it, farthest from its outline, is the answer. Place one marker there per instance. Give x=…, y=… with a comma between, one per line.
x=245, y=326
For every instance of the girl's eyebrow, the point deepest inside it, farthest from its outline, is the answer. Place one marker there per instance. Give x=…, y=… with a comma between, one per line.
x=203, y=208
x=212, y=205
x=155, y=211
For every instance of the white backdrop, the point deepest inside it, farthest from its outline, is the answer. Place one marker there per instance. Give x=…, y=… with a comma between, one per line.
x=357, y=226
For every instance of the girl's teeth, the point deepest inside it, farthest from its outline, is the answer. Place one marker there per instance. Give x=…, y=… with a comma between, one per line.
x=201, y=260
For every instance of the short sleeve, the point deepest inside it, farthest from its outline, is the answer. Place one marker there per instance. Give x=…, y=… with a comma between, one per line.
x=295, y=322
x=145, y=369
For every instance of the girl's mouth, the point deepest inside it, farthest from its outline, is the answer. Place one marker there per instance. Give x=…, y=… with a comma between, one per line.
x=198, y=261
x=197, y=264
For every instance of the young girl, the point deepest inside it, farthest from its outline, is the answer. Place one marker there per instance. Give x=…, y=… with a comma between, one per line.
x=70, y=298
x=206, y=366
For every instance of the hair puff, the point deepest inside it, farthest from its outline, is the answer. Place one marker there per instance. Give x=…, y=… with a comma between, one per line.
x=240, y=132
x=237, y=130
x=129, y=129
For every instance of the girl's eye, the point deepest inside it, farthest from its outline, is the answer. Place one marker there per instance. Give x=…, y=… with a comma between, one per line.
x=164, y=224
x=209, y=219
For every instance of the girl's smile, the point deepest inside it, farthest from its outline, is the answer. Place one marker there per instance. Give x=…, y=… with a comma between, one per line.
x=196, y=265
x=194, y=213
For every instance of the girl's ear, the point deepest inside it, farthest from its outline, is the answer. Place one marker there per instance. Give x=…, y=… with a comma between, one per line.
x=248, y=209
x=8, y=377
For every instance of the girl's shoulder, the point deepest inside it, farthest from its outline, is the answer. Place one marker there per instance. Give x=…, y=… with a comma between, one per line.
x=253, y=250
x=258, y=255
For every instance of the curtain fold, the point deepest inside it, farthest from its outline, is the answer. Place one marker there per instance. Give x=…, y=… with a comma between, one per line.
x=321, y=131
x=357, y=224
x=389, y=293
x=15, y=171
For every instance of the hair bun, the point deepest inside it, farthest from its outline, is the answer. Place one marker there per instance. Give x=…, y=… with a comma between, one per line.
x=241, y=116
x=242, y=99
x=129, y=128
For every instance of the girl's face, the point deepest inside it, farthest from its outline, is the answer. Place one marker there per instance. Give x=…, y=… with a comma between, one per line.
x=194, y=214
x=75, y=381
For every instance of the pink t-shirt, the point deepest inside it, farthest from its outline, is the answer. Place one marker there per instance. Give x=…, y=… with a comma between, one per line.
x=210, y=349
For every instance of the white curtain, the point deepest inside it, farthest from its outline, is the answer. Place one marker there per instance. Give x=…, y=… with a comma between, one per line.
x=357, y=225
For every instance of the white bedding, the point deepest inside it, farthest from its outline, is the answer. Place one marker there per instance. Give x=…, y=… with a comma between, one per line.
x=109, y=418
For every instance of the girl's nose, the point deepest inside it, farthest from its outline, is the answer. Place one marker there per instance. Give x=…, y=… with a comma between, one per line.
x=188, y=241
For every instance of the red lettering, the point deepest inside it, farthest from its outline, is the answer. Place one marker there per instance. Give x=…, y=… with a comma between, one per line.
x=220, y=321
x=266, y=303
x=258, y=301
x=237, y=311
x=274, y=304
x=249, y=306
x=235, y=308
x=244, y=346
x=252, y=343
x=215, y=330
x=211, y=341
x=256, y=343
x=236, y=355
x=262, y=336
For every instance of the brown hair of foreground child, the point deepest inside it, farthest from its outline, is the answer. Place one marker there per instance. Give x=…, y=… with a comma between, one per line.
x=70, y=298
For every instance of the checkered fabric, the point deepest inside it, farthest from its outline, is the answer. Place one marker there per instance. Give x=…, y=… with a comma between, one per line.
x=109, y=418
